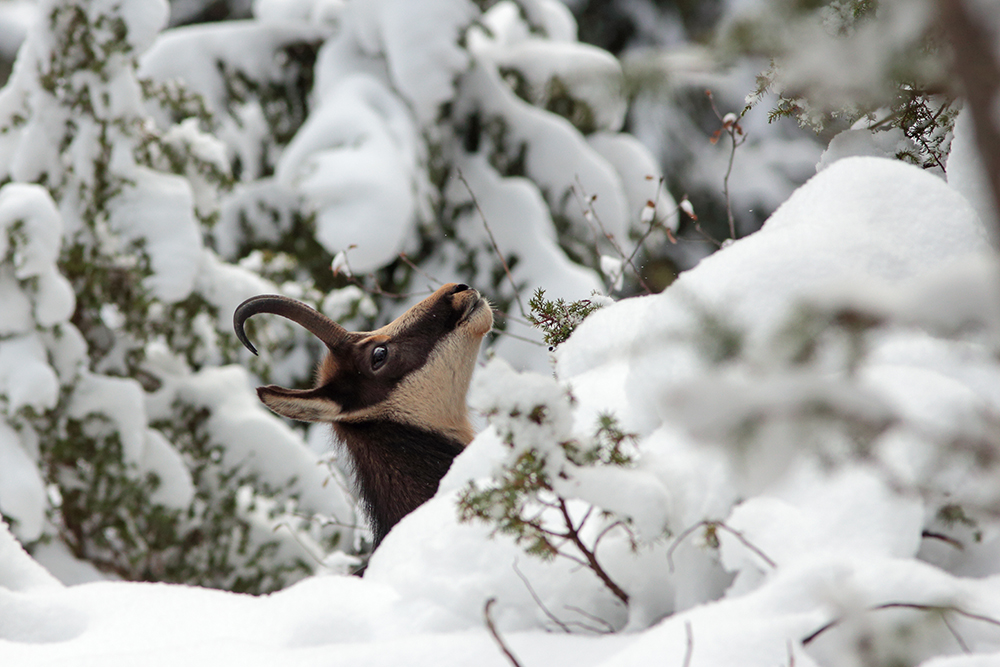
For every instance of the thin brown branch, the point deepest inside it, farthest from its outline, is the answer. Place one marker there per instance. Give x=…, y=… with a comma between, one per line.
x=524, y=339
x=677, y=542
x=654, y=223
x=417, y=269
x=733, y=129
x=716, y=525
x=493, y=242
x=591, y=557
x=563, y=625
x=541, y=605
x=745, y=542
x=604, y=531
x=954, y=633
x=576, y=559
x=496, y=635
x=930, y=535
x=377, y=290
x=512, y=318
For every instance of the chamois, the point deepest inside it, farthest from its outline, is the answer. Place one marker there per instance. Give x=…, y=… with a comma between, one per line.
x=395, y=397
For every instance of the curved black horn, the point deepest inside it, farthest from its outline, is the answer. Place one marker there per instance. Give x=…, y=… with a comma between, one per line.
x=312, y=320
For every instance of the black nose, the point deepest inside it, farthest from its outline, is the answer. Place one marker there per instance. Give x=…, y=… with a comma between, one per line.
x=459, y=288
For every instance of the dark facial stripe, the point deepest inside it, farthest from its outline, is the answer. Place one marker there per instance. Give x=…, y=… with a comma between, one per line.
x=354, y=386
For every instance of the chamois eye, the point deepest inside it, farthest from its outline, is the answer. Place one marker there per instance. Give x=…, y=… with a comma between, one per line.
x=379, y=355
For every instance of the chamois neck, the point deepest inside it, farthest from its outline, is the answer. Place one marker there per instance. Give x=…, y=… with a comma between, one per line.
x=397, y=467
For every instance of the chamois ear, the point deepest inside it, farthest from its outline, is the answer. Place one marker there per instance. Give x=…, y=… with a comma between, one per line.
x=307, y=405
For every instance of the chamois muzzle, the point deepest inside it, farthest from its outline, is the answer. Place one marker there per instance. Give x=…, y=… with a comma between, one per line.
x=309, y=318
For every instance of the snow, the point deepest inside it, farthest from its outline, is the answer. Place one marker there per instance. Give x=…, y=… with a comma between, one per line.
x=555, y=159
x=257, y=443
x=807, y=406
x=159, y=210
x=30, y=226
x=180, y=54
x=25, y=376
x=640, y=175
x=965, y=170
x=807, y=547
x=419, y=46
x=121, y=399
x=23, y=489
x=354, y=160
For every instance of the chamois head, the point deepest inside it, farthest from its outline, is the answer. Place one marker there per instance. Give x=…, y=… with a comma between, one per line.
x=394, y=396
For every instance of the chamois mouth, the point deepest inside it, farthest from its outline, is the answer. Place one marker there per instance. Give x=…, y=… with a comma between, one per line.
x=477, y=308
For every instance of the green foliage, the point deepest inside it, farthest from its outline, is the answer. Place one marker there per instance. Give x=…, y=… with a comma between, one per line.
x=285, y=101
x=610, y=445
x=558, y=319
x=103, y=509
x=507, y=503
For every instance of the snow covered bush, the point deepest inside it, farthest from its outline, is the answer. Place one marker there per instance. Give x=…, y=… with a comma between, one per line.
x=842, y=422
x=533, y=419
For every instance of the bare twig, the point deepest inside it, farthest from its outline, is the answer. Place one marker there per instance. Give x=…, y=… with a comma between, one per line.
x=731, y=126
x=745, y=542
x=353, y=279
x=689, y=648
x=524, y=339
x=714, y=525
x=654, y=221
x=541, y=605
x=705, y=235
x=604, y=531
x=563, y=625
x=677, y=542
x=417, y=269
x=493, y=241
x=954, y=633
x=512, y=318
x=941, y=609
x=609, y=629
x=685, y=206
x=496, y=635
x=291, y=531
x=587, y=205
x=930, y=535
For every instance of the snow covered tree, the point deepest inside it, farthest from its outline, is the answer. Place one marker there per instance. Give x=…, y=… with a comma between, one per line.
x=429, y=130
x=185, y=172
x=129, y=447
